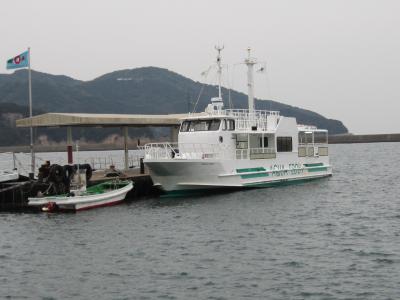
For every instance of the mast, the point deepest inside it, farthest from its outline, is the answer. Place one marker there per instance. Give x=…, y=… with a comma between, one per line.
x=219, y=71
x=30, y=115
x=250, y=62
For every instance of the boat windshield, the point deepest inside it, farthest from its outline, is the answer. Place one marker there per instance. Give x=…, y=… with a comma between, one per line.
x=200, y=125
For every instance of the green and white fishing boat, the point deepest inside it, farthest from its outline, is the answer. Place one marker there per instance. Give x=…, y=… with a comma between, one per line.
x=238, y=148
x=103, y=194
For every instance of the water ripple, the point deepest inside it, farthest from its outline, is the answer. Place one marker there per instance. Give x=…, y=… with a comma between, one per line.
x=329, y=239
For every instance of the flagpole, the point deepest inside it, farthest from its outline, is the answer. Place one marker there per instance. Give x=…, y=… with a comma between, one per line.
x=32, y=175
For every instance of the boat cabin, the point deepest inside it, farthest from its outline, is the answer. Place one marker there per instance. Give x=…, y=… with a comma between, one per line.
x=254, y=135
x=241, y=133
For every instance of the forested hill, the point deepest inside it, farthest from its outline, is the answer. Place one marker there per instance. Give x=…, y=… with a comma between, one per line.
x=148, y=90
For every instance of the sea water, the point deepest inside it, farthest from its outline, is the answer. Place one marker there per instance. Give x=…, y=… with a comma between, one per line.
x=335, y=238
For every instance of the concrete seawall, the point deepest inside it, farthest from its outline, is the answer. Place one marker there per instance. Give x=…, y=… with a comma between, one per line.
x=364, y=138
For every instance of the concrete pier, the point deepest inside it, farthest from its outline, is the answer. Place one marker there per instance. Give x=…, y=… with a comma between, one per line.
x=69, y=145
x=14, y=195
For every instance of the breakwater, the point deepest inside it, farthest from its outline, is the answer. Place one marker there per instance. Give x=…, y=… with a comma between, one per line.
x=364, y=138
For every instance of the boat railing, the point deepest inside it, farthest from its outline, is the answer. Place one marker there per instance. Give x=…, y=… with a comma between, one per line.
x=104, y=162
x=16, y=162
x=161, y=151
x=21, y=161
x=303, y=127
x=313, y=144
x=9, y=159
x=246, y=120
x=251, y=114
x=255, y=153
x=187, y=151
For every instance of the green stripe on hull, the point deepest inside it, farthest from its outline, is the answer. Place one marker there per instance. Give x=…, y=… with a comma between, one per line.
x=256, y=175
x=259, y=169
x=314, y=165
x=282, y=182
x=206, y=191
x=319, y=169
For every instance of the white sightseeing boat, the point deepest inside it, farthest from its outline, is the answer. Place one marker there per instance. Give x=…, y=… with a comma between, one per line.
x=237, y=148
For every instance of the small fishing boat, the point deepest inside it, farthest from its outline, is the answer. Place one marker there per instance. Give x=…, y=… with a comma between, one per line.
x=103, y=194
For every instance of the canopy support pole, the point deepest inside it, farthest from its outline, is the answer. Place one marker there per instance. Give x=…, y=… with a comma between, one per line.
x=126, y=155
x=69, y=145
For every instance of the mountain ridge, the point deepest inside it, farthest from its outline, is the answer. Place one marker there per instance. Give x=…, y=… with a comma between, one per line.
x=146, y=90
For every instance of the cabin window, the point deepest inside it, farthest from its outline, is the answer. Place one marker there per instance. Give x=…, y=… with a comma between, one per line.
x=323, y=151
x=231, y=125
x=305, y=137
x=185, y=126
x=265, y=142
x=302, y=137
x=242, y=141
x=302, y=152
x=191, y=125
x=214, y=125
x=200, y=125
x=284, y=143
x=224, y=124
x=320, y=137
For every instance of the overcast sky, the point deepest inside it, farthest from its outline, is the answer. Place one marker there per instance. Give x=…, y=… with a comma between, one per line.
x=339, y=58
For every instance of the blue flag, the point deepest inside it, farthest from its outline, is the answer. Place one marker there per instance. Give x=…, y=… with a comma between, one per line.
x=20, y=61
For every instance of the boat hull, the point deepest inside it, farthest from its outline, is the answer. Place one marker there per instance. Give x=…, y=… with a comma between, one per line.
x=180, y=177
x=79, y=203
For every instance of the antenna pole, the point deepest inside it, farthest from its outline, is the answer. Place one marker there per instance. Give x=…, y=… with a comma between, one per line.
x=250, y=62
x=219, y=65
x=32, y=174
x=77, y=158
